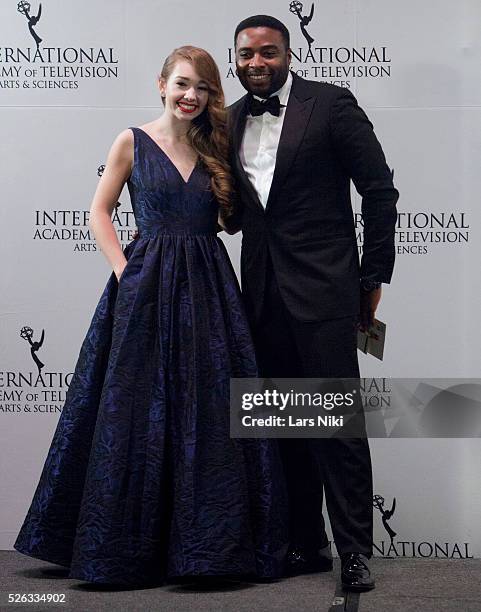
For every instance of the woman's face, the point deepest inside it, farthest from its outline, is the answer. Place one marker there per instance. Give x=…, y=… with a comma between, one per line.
x=184, y=92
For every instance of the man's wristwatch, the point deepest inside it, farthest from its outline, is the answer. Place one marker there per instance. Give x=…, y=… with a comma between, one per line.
x=369, y=285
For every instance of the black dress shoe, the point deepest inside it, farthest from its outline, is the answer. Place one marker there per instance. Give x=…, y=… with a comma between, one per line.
x=355, y=574
x=298, y=561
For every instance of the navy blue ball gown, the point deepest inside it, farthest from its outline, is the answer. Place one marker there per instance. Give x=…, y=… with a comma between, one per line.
x=142, y=480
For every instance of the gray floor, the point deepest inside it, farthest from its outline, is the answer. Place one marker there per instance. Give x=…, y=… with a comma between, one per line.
x=407, y=585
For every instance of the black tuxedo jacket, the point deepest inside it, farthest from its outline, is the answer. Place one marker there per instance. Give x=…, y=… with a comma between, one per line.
x=307, y=226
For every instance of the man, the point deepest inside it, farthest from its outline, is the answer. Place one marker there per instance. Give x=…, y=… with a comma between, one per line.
x=296, y=144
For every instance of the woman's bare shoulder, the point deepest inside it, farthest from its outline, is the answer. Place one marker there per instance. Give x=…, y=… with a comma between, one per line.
x=125, y=138
x=123, y=146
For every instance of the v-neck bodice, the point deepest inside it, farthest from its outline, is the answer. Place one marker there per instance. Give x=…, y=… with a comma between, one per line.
x=169, y=159
x=162, y=200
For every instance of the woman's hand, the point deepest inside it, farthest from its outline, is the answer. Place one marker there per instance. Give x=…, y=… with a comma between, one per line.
x=120, y=270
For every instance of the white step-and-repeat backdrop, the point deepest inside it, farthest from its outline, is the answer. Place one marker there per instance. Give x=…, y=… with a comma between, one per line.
x=74, y=75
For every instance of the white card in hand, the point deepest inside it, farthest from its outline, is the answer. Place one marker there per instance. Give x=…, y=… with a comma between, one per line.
x=372, y=341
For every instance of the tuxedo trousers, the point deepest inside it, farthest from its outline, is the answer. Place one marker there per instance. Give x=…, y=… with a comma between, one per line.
x=289, y=348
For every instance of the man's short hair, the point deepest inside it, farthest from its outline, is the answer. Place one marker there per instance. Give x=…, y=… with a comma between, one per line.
x=264, y=21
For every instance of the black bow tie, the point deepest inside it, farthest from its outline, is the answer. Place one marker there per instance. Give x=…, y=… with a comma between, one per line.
x=271, y=105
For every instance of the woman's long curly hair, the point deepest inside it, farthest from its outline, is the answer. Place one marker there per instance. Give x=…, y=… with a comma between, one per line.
x=208, y=132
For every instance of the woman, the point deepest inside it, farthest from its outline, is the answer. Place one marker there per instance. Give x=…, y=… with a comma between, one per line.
x=142, y=480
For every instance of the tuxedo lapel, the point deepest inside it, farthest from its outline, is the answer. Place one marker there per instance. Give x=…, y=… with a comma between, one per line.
x=239, y=118
x=298, y=112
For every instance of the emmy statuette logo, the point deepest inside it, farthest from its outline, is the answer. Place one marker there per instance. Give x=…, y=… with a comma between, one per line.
x=296, y=7
x=378, y=502
x=23, y=8
x=27, y=333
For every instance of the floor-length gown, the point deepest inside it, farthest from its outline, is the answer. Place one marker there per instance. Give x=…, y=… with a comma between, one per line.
x=142, y=480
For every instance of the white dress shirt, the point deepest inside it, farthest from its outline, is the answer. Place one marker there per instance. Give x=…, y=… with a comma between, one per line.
x=259, y=144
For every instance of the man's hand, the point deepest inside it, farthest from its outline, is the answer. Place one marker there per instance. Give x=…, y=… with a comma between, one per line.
x=369, y=304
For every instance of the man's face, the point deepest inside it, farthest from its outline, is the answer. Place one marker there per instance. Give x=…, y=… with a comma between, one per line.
x=262, y=60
